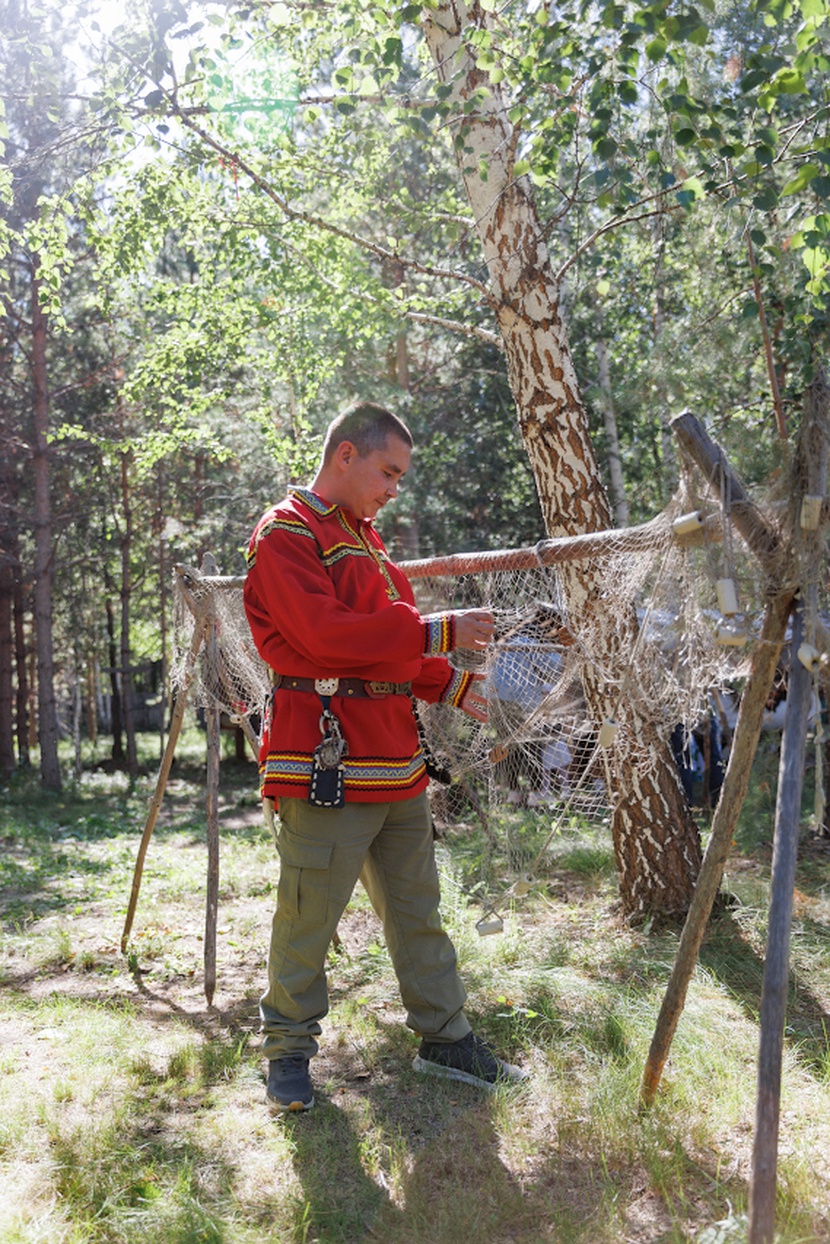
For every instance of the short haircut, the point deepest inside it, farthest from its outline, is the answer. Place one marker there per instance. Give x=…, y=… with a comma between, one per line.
x=367, y=426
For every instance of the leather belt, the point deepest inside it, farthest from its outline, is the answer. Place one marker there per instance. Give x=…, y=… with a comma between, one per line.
x=350, y=688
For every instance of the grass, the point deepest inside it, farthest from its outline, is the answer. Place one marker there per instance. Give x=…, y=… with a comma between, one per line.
x=130, y=1110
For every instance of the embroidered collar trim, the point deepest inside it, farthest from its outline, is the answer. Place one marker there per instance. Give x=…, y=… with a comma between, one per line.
x=322, y=508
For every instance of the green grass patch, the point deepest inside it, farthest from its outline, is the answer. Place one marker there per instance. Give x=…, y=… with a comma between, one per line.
x=130, y=1110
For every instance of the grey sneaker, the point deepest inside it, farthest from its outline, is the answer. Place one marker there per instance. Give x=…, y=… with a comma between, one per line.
x=470, y=1060
x=289, y=1084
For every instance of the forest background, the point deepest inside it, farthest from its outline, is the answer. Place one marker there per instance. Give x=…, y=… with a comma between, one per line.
x=221, y=223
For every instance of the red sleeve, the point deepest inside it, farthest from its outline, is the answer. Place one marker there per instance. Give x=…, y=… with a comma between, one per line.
x=292, y=606
x=440, y=683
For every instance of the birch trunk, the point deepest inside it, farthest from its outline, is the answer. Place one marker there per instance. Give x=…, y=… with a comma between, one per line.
x=656, y=843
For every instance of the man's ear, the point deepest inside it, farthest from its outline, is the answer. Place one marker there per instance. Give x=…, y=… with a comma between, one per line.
x=346, y=451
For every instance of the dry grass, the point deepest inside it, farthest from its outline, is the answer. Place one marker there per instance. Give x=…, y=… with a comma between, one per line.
x=132, y=1111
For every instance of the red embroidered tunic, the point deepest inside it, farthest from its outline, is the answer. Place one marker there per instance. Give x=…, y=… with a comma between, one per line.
x=324, y=600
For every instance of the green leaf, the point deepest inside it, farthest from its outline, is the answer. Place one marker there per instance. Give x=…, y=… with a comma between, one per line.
x=694, y=186
x=755, y=77
x=766, y=200
x=802, y=179
x=789, y=82
x=814, y=8
x=628, y=92
x=656, y=48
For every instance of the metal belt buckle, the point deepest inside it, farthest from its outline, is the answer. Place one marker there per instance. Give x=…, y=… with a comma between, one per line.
x=326, y=686
x=376, y=689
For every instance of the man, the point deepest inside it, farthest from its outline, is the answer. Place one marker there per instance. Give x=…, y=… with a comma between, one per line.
x=336, y=622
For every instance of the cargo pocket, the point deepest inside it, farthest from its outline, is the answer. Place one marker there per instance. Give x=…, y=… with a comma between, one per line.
x=305, y=877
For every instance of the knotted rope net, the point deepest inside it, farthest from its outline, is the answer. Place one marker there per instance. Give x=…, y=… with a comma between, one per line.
x=541, y=749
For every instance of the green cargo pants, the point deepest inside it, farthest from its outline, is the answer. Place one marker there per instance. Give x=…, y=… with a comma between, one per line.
x=323, y=852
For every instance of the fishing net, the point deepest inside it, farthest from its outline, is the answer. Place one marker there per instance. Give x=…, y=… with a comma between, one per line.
x=689, y=581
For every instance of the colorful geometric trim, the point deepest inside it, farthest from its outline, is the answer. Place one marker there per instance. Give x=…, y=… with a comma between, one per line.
x=283, y=523
x=315, y=503
x=440, y=634
x=336, y=552
x=456, y=688
x=372, y=773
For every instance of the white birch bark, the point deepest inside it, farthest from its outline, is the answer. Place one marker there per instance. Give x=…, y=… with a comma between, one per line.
x=656, y=843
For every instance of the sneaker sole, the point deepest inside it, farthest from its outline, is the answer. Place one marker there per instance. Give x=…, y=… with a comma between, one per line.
x=514, y=1075
x=283, y=1107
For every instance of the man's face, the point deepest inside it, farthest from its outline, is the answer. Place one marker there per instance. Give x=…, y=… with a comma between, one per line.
x=369, y=482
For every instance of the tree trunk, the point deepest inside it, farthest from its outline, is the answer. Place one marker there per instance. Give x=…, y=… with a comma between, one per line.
x=90, y=700
x=7, y=755
x=115, y=683
x=47, y=709
x=77, y=707
x=163, y=590
x=9, y=571
x=126, y=597
x=20, y=659
x=668, y=461
x=656, y=843
x=609, y=419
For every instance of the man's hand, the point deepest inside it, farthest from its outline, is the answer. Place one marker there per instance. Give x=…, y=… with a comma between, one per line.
x=473, y=628
x=474, y=703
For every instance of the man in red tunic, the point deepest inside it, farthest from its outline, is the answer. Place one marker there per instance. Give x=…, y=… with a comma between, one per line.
x=336, y=622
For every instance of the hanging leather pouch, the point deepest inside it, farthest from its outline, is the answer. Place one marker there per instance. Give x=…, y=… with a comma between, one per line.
x=327, y=786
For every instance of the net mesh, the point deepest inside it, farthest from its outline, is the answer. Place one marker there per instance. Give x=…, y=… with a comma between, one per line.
x=215, y=659
x=540, y=747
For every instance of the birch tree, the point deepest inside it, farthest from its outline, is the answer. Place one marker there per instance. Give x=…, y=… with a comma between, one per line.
x=533, y=100
x=655, y=839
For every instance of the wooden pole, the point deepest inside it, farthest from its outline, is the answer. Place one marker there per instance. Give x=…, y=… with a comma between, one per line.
x=161, y=780
x=214, y=743
x=776, y=959
x=651, y=535
x=765, y=542
x=732, y=795
x=213, y=739
x=809, y=542
x=760, y=534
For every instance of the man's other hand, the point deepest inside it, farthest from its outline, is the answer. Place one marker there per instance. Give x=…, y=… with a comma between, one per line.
x=473, y=628
x=474, y=704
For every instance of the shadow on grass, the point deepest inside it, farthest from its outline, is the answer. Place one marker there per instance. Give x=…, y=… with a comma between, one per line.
x=439, y=1172
x=730, y=958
